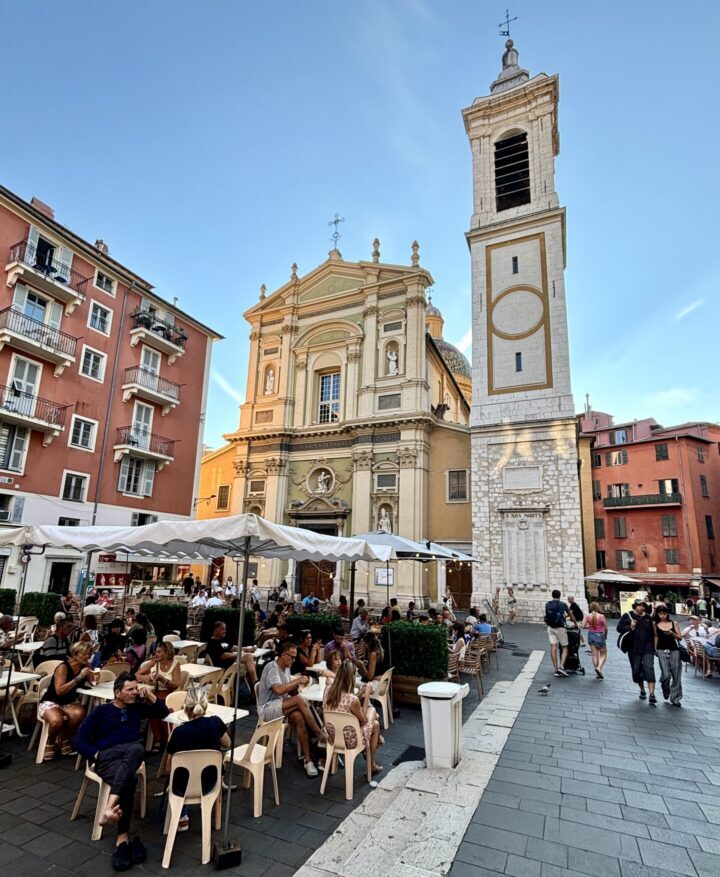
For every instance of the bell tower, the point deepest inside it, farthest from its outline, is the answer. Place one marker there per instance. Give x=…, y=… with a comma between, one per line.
x=526, y=502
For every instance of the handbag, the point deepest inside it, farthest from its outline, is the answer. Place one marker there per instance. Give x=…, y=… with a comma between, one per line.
x=625, y=641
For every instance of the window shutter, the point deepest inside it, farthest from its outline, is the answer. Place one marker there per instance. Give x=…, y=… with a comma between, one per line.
x=18, y=450
x=608, y=458
x=124, y=470
x=148, y=478
x=56, y=312
x=64, y=257
x=19, y=298
x=17, y=509
x=144, y=304
x=33, y=238
x=134, y=518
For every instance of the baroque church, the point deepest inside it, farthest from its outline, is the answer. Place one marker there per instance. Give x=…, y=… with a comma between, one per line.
x=359, y=416
x=356, y=419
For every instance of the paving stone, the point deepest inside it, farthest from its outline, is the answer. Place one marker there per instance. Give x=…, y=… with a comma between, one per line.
x=646, y=801
x=496, y=838
x=661, y=855
x=531, y=824
x=590, y=789
x=679, y=838
x=711, y=813
x=603, y=807
x=485, y=857
x=705, y=863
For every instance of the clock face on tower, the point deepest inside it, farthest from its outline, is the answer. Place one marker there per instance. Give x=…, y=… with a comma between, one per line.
x=518, y=319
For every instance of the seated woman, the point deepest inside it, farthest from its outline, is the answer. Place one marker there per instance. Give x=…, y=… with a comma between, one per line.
x=343, y=607
x=90, y=631
x=334, y=659
x=60, y=706
x=308, y=653
x=458, y=640
x=260, y=615
x=340, y=697
x=163, y=673
x=370, y=668
x=198, y=732
x=137, y=649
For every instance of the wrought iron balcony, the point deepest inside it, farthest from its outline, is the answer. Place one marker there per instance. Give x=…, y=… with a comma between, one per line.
x=33, y=412
x=50, y=274
x=157, y=333
x=647, y=499
x=138, y=443
x=33, y=336
x=144, y=384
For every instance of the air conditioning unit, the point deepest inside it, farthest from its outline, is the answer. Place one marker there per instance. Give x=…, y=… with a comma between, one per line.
x=6, y=479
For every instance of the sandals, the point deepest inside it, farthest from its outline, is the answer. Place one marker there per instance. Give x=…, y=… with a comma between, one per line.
x=49, y=754
x=66, y=748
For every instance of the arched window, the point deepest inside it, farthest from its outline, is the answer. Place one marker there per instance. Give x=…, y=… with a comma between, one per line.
x=512, y=172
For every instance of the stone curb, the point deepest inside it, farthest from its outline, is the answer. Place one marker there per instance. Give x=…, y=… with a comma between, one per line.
x=412, y=824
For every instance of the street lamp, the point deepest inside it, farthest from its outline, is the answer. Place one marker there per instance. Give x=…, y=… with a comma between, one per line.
x=205, y=499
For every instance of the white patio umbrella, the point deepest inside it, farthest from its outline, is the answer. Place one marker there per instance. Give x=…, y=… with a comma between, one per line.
x=612, y=577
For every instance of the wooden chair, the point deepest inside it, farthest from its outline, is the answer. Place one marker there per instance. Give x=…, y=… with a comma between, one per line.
x=104, y=794
x=453, y=672
x=193, y=765
x=337, y=746
x=381, y=693
x=471, y=664
x=253, y=758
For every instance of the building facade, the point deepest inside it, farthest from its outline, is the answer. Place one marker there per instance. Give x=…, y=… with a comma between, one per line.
x=656, y=500
x=354, y=421
x=103, y=388
x=527, y=530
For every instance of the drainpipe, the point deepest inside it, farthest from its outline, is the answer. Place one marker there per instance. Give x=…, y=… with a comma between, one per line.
x=686, y=523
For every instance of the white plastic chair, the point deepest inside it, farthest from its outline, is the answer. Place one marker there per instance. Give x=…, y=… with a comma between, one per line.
x=41, y=726
x=104, y=794
x=194, y=763
x=280, y=742
x=117, y=668
x=171, y=638
x=26, y=628
x=253, y=758
x=226, y=686
x=339, y=722
x=381, y=693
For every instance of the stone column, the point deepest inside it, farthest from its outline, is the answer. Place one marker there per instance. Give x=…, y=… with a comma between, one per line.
x=301, y=377
x=253, y=365
x=370, y=359
x=362, y=491
x=275, y=499
x=351, y=383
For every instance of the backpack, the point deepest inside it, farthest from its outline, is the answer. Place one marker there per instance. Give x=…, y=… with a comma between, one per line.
x=625, y=640
x=554, y=614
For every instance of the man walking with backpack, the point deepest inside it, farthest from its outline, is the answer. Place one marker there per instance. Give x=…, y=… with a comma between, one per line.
x=555, y=614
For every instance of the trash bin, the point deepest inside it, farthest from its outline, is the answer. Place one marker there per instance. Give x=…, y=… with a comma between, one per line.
x=441, y=704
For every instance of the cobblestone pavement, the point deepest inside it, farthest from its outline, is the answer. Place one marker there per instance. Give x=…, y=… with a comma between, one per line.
x=594, y=781
x=37, y=836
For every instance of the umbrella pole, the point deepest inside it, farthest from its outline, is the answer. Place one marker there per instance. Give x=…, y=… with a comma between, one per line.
x=228, y=855
x=352, y=590
x=387, y=582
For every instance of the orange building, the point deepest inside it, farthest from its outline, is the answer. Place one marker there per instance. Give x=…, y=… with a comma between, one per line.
x=103, y=388
x=656, y=500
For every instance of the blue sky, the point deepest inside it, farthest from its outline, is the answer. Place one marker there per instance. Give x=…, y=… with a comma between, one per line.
x=209, y=143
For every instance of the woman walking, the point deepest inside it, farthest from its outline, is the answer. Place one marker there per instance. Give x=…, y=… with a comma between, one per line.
x=596, y=625
x=667, y=634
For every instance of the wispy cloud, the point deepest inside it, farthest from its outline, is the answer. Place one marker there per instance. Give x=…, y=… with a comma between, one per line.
x=681, y=314
x=227, y=387
x=465, y=342
x=674, y=396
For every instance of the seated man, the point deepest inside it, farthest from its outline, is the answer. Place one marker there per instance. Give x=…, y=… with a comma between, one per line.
x=56, y=646
x=395, y=610
x=113, y=643
x=215, y=600
x=308, y=602
x=92, y=607
x=274, y=642
x=278, y=696
x=482, y=627
x=339, y=644
x=410, y=614
x=110, y=739
x=696, y=630
x=360, y=625
x=711, y=647
x=223, y=655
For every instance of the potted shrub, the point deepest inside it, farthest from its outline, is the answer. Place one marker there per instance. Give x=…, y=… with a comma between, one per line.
x=43, y=605
x=8, y=596
x=419, y=653
x=322, y=625
x=165, y=617
x=230, y=617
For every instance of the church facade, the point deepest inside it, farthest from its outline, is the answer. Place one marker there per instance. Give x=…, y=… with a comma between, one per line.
x=356, y=419
x=527, y=529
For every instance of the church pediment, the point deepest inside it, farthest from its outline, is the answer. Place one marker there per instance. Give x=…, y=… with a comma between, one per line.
x=329, y=286
x=319, y=505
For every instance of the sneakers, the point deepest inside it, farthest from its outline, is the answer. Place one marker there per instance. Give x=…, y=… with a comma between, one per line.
x=138, y=853
x=678, y=704
x=184, y=823
x=561, y=672
x=121, y=860
x=653, y=700
x=643, y=694
x=666, y=693
x=310, y=769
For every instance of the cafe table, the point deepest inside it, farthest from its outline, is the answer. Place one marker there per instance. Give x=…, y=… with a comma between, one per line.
x=197, y=671
x=27, y=650
x=17, y=678
x=184, y=643
x=226, y=713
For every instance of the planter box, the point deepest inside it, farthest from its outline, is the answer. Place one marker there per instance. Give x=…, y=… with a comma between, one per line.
x=404, y=689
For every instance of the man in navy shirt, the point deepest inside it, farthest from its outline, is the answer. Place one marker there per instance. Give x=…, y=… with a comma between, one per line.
x=110, y=739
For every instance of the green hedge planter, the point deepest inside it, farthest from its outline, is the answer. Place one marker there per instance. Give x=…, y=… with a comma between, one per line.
x=165, y=617
x=322, y=625
x=8, y=596
x=42, y=605
x=231, y=618
x=419, y=653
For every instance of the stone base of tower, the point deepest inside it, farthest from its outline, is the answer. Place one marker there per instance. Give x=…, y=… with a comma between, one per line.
x=527, y=530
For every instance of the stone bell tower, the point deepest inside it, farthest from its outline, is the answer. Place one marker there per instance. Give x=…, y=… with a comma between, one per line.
x=525, y=494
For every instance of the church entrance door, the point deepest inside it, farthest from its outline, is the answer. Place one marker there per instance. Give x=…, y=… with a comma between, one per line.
x=459, y=580
x=316, y=576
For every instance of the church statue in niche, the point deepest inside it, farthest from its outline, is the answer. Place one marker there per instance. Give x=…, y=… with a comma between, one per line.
x=392, y=360
x=269, y=382
x=384, y=523
x=323, y=482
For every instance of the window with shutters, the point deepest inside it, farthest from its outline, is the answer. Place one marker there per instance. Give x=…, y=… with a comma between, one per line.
x=140, y=519
x=82, y=433
x=457, y=482
x=99, y=318
x=617, y=490
x=75, y=486
x=223, y=498
x=616, y=458
x=599, y=528
x=672, y=556
x=704, y=486
x=620, y=527
x=137, y=476
x=624, y=560
x=601, y=559
x=11, y=508
x=700, y=454
x=68, y=522
x=661, y=452
x=13, y=445
x=709, y=527
x=669, y=525
x=596, y=459
x=597, y=490
x=512, y=172
x=92, y=364
x=667, y=486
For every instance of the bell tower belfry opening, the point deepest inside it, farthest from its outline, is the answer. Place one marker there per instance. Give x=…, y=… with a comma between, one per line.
x=526, y=501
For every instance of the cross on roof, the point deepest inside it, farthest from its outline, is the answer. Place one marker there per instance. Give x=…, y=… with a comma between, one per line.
x=506, y=23
x=335, y=236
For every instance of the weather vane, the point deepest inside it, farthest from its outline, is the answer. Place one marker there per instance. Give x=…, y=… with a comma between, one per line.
x=335, y=236
x=506, y=24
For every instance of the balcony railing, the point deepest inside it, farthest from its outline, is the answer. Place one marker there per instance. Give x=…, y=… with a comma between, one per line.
x=28, y=327
x=611, y=502
x=168, y=331
x=28, y=254
x=25, y=405
x=150, y=381
x=131, y=436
